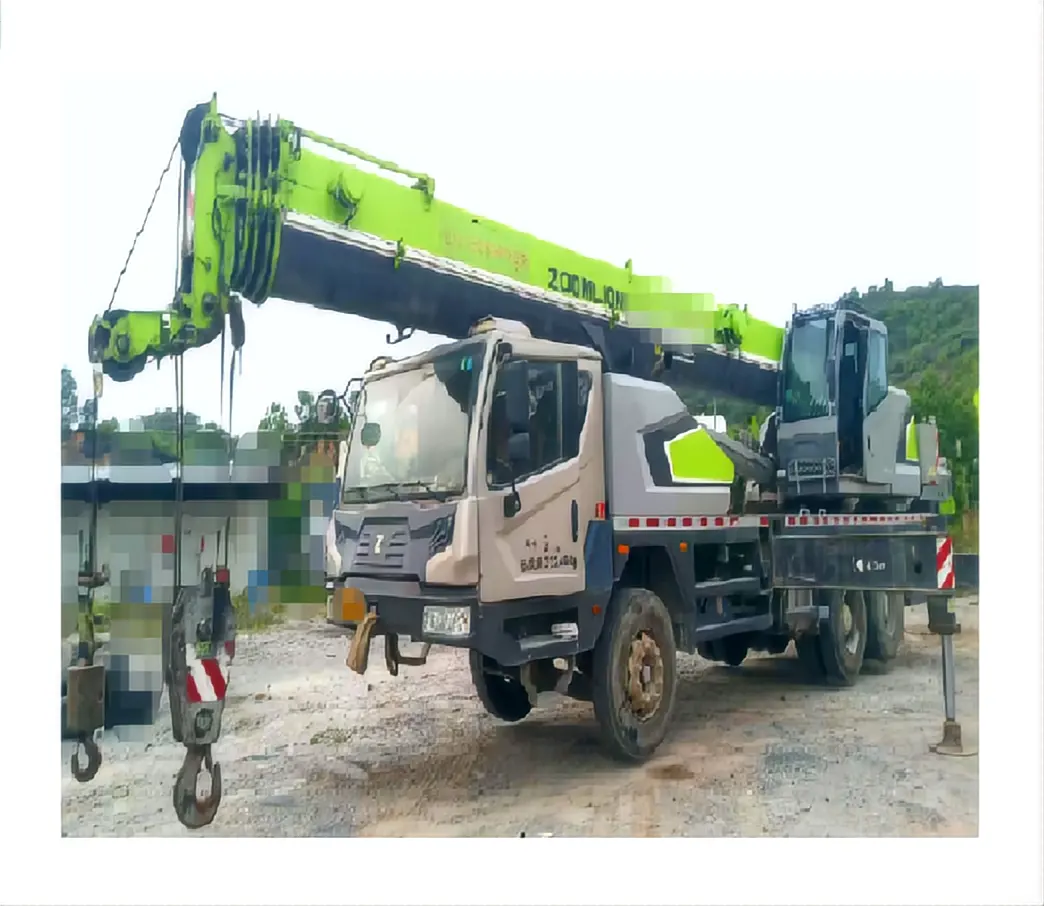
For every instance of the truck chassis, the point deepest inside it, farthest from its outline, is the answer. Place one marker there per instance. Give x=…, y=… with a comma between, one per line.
x=837, y=585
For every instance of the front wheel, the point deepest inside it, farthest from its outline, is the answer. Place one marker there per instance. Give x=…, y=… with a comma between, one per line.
x=504, y=699
x=634, y=674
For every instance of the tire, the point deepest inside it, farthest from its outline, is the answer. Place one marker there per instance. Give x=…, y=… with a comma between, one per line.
x=733, y=650
x=637, y=631
x=807, y=647
x=504, y=699
x=842, y=647
x=777, y=645
x=723, y=651
x=885, y=624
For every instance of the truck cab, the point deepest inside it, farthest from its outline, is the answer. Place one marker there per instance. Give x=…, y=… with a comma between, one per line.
x=499, y=437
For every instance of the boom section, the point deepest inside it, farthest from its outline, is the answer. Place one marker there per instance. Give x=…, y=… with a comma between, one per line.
x=273, y=210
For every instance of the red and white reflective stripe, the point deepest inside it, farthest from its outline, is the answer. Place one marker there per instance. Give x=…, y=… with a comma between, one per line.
x=660, y=523
x=944, y=563
x=207, y=679
x=882, y=519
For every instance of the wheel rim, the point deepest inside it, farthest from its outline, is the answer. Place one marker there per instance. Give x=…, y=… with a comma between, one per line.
x=644, y=680
x=851, y=631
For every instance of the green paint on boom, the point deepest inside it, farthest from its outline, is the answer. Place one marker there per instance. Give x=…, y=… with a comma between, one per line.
x=244, y=179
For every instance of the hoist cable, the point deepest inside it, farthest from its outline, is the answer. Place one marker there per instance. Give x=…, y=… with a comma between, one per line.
x=92, y=540
x=145, y=220
x=231, y=441
x=179, y=442
x=179, y=395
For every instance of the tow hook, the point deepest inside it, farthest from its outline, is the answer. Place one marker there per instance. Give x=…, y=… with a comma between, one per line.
x=393, y=658
x=359, y=649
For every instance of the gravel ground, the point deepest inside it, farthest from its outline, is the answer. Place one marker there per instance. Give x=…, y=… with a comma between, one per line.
x=310, y=748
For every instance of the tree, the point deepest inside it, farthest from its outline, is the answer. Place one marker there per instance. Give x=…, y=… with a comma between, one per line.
x=275, y=419
x=105, y=426
x=70, y=401
x=305, y=418
x=304, y=411
x=165, y=421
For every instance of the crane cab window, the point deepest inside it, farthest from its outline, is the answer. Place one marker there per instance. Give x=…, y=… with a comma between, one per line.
x=876, y=369
x=806, y=388
x=558, y=395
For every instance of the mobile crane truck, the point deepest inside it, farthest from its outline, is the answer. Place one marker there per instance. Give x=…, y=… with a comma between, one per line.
x=532, y=491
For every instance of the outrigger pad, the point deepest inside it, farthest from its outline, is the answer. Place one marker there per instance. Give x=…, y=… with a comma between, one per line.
x=952, y=742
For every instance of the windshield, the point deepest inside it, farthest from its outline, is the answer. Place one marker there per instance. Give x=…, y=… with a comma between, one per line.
x=806, y=392
x=410, y=434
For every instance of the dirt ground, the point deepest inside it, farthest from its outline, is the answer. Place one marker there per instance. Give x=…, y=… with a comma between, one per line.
x=311, y=749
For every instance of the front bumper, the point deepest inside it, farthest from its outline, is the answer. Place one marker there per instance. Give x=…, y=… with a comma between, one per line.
x=509, y=632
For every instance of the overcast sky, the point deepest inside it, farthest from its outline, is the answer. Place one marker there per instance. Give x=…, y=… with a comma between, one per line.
x=765, y=191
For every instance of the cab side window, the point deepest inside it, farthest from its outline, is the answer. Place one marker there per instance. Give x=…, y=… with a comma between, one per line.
x=876, y=370
x=558, y=395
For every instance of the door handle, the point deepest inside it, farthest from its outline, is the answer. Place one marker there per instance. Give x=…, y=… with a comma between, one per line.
x=575, y=522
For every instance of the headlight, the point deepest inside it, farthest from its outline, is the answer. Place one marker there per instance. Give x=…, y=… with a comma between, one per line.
x=449, y=621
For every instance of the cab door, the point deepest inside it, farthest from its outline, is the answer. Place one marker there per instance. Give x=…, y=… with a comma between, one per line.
x=532, y=544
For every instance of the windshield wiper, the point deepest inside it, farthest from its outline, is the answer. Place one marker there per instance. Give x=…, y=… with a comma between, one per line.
x=411, y=488
x=366, y=493
x=400, y=490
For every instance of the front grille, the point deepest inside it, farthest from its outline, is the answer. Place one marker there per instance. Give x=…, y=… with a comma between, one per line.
x=383, y=548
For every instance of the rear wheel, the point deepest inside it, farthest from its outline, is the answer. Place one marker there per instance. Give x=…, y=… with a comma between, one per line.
x=885, y=624
x=634, y=674
x=503, y=698
x=835, y=654
x=733, y=650
x=807, y=647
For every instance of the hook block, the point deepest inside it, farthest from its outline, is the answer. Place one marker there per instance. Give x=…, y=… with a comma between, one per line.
x=85, y=698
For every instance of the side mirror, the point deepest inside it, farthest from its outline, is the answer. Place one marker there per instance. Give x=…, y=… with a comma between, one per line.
x=516, y=397
x=512, y=505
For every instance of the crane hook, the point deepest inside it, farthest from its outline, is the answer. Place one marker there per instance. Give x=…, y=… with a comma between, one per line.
x=94, y=759
x=195, y=812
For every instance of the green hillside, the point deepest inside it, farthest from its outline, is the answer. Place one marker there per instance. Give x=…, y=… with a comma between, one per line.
x=933, y=354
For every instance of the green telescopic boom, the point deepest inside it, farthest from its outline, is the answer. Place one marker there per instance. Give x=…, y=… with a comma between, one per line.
x=272, y=210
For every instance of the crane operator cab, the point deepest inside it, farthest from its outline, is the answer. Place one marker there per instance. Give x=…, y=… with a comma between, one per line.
x=841, y=430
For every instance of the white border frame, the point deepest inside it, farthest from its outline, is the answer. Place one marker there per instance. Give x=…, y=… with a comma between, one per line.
x=41, y=43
